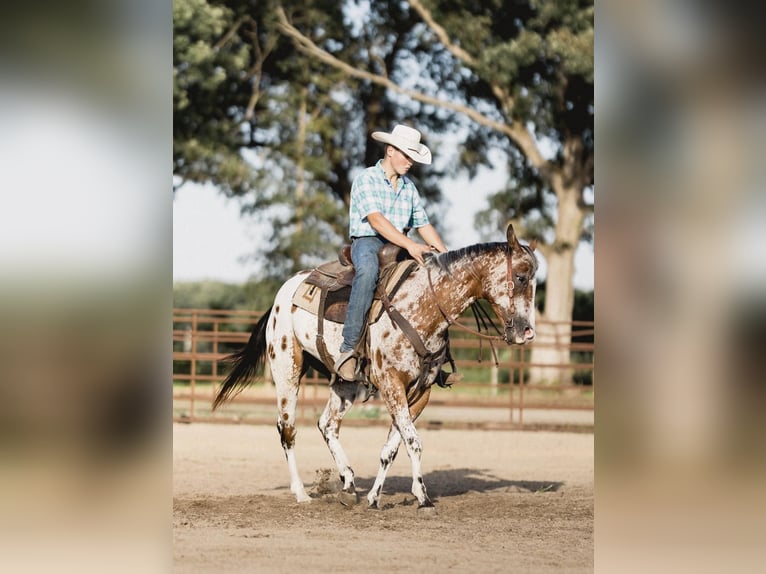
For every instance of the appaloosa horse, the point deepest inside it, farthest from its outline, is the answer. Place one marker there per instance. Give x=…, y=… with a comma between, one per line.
x=430, y=299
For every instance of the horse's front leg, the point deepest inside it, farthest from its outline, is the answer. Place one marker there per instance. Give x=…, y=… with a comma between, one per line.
x=404, y=421
x=342, y=395
x=391, y=448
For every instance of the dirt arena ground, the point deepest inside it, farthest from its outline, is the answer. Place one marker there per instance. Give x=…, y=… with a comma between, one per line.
x=507, y=501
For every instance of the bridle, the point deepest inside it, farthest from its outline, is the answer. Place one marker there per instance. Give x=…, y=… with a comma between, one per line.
x=509, y=281
x=479, y=313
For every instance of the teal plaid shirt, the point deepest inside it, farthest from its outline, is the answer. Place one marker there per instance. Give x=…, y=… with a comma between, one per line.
x=372, y=192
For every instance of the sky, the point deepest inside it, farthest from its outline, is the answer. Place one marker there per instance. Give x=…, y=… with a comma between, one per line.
x=211, y=241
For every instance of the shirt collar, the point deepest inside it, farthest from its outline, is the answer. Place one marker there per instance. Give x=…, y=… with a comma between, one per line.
x=379, y=165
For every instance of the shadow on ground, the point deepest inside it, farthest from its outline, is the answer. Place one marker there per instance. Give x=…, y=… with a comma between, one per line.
x=454, y=482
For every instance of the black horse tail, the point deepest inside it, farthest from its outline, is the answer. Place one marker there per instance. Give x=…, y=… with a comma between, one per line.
x=246, y=363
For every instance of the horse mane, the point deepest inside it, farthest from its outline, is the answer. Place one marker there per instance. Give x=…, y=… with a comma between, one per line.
x=444, y=261
x=531, y=254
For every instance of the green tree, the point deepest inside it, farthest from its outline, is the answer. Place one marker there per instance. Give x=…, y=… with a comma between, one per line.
x=254, y=119
x=253, y=295
x=521, y=72
x=282, y=97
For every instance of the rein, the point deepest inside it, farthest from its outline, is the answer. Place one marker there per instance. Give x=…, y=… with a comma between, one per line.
x=477, y=311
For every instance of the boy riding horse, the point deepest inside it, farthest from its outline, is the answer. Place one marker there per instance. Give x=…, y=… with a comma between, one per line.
x=384, y=201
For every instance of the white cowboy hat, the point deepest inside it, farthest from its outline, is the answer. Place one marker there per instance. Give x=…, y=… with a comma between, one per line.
x=406, y=140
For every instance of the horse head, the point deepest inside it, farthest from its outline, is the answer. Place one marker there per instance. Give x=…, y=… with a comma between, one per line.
x=511, y=290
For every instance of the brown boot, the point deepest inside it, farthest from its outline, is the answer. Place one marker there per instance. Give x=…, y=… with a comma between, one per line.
x=345, y=366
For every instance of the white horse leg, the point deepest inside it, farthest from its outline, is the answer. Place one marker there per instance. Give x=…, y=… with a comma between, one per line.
x=387, y=456
x=286, y=359
x=286, y=426
x=341, y=399
x=404, y=417
x=411, y=439
x=403, y=428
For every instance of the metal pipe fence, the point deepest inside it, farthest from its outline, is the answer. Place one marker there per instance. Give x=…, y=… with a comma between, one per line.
x=491, y=394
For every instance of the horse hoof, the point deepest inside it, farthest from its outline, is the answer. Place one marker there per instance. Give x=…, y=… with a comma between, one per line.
x=348, y=498
x=427, y=511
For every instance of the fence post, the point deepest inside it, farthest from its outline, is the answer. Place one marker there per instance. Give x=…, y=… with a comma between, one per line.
x=214, y=366
x=510, y=388
x=521, y=388
x=193, y=370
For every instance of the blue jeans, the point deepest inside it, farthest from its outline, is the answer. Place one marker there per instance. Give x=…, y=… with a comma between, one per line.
x=364, y=255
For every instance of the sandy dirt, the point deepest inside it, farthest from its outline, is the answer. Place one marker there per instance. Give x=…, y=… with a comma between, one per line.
x=507, y=501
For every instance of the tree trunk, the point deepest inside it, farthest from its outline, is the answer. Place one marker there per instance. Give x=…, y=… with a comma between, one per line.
x=300, y=149
x=554, y=330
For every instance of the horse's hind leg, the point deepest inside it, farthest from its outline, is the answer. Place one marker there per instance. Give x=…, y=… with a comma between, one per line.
x=387, y=456
x=287, y=432
x=285, y=370
x=342, y=395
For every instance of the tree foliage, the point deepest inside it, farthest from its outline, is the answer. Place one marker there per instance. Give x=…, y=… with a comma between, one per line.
x=252, y=120
x=253, y=295
x=255, y=120
x=275, y=100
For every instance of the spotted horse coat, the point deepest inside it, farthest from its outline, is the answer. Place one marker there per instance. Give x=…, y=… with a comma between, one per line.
x=430, y=299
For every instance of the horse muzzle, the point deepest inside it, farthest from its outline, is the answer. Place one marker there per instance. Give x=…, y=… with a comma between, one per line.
x=518, y=332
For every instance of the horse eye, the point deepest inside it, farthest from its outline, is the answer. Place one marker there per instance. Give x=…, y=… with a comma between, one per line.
x=521, y=279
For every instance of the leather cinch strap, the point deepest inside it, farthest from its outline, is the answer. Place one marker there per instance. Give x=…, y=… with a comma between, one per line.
x=428, y=360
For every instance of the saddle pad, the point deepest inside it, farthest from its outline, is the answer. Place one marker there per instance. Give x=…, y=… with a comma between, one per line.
x=307, y=296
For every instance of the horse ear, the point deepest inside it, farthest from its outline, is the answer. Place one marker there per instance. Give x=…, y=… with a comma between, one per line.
x=533, y=244
x=510, y=234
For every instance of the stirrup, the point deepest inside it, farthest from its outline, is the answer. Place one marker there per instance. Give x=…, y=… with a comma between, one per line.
x=366, y=391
